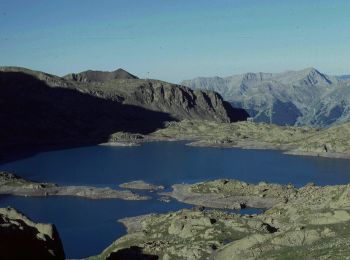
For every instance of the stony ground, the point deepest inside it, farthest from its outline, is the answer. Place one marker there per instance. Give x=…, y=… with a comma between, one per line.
x=310, y=223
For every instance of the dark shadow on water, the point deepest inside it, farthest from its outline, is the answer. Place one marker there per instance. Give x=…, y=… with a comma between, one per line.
x=33, y=113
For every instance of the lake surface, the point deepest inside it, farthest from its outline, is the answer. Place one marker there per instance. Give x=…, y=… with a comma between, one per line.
x=87, y=226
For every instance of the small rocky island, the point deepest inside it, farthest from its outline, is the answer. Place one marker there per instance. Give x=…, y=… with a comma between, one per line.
x=11, y=184
x=140, y=185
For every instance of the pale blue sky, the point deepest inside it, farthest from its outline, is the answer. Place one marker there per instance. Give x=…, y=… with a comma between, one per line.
x=176, y=39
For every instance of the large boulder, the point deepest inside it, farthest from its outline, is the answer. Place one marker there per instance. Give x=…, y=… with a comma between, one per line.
x=21, y=238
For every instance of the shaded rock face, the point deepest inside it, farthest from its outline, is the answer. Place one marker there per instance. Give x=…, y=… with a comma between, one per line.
x=99, y=76
x=305, y=97
x=180, y=102
x=38, y=108
x=35, y=112
x=23, y=239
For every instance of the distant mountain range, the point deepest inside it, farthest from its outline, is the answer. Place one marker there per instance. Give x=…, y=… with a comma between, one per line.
x=305, y=97
x=39, y=108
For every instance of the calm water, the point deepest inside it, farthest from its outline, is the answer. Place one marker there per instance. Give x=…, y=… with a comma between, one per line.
x=88, y=226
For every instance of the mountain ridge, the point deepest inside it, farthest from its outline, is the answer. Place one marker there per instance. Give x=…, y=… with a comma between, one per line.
x=40, y=108
x=270, y=97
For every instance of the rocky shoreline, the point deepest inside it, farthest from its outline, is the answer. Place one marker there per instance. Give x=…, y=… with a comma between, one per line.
x=11, y=184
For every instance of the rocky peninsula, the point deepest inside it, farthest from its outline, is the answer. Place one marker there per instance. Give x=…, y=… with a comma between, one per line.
x=11, y=184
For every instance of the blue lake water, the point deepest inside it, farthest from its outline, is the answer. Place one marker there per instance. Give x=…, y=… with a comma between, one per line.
x=88, y=226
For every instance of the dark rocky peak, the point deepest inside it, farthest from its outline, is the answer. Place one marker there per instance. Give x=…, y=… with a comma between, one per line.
x=100, y=76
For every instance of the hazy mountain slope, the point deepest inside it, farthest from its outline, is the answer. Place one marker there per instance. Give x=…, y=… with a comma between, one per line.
x=36, y=107
x=334, y=107
x=281, y=98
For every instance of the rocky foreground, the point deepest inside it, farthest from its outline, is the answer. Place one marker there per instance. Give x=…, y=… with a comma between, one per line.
x=21, y=238
x=308, y=223
x=11, y=184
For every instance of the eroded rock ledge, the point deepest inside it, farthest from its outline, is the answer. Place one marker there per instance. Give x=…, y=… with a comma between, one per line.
x=12, y=184
x=21, y=238
x=304, y=223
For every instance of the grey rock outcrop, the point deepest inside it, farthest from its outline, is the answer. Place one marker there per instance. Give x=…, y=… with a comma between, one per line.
x=305, y=97
x=21, y=238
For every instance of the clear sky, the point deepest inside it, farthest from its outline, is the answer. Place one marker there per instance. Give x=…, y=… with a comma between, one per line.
x=174, y=40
